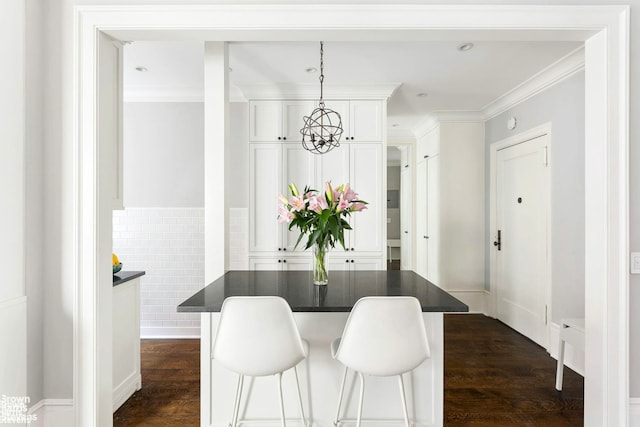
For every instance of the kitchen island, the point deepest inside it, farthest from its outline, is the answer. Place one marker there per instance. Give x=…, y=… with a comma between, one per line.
x=321, y=313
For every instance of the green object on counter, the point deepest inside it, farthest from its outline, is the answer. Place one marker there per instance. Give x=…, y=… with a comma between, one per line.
x=117, y=267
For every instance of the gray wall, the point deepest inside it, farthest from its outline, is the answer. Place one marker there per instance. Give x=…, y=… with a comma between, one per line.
x=163, y=154
x=58, y=73
x=563, y=106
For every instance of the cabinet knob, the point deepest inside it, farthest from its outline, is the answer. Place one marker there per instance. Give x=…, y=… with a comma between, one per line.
x=279, y=249
x=352, y=249
x=284, y=137
x=279, y=138
x=426, y=237
x=279, y=260
x=284, y=260
x=353, y=260
x=346, y=260
x=425, y=156
x=406, y=232
x=284, y=249
x=406, y=166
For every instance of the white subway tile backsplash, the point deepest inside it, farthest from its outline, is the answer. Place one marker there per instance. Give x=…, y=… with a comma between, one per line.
x=168, y=244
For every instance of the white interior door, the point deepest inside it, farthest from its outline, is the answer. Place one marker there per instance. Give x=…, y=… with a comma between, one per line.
x=522, y=223
x=405, y=219
x=433, y=219
x=421, y=219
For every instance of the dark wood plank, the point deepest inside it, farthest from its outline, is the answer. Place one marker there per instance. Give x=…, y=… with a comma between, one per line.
x=496, y=377
x=493, y=377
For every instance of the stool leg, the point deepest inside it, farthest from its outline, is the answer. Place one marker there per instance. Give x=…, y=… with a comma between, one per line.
x=560, y=366
x=404, y=401
x=359, y=421
x=344, y=379
x=279, y=381
x=304, y=421
x=236, y=407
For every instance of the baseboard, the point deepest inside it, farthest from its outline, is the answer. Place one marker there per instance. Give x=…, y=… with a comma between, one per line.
x=52, y=413
x=476, y=299
x=170, y=333
x=634, y=412
x=125, y=389
x=574, y=359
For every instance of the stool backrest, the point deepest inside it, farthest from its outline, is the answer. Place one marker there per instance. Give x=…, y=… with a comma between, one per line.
x=257, y=336
x=384, y=336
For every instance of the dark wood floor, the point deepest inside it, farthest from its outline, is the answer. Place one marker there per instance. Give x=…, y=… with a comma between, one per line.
x=493, y=377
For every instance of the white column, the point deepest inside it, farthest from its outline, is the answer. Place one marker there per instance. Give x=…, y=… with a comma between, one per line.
x=216, y=125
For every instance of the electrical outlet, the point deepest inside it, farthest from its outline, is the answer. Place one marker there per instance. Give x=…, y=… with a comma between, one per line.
x=635, y=262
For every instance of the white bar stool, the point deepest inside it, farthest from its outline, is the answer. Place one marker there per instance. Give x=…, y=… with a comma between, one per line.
x=258, y=336
x=383, y=336
x=571, y=331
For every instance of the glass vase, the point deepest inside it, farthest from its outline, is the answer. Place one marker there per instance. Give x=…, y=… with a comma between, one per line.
x=320, y=276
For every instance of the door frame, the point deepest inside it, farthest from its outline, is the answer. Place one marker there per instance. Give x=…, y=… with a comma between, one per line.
x=494, y=148
x=408, y=145
x=605, y=30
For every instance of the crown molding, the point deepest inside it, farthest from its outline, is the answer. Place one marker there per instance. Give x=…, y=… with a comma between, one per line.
x=311, y=91
x=403, y=136
x=563, y=68
x=431, y=120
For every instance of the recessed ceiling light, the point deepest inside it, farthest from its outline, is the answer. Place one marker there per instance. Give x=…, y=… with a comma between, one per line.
x=395, y=125
x=421, y=95
x=311, y=70
x=465, y=47
x=142, y=69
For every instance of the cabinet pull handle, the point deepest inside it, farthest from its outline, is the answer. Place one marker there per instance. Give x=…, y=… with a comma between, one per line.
x=406, y=166
x=425, y=156
x=426, y=237
x=406, y=232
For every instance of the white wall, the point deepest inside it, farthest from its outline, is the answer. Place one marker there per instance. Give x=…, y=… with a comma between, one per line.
x=393, y=227
x=13, y=304
x=163, y=154
x=34, y=272
x=59, y=207
x=563, y=106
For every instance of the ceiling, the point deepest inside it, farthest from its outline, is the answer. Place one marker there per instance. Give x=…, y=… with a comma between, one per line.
x=453, y=80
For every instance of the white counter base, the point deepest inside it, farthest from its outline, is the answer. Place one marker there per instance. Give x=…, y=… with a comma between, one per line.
x=320, y=378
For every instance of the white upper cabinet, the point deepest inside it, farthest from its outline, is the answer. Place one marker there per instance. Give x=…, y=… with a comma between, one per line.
x=361, y=119
x=272, y=121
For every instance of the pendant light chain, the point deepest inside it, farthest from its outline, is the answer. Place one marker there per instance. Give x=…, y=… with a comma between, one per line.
x=323, y=127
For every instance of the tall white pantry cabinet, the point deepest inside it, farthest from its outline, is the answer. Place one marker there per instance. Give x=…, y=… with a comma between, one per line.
x=277, y=159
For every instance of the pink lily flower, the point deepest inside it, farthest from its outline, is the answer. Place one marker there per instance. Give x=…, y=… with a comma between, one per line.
x=349, y=194
x=322, y=202
x=314, y=205
x=297, y=203
x=283, y=199
x=284, y=215
x=343, y=204
x=358, y=206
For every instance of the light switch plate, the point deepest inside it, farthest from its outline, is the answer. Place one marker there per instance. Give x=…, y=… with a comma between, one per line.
x=635, y=262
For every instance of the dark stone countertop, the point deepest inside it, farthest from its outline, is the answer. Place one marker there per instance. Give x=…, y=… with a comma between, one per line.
x=124, y=276
x=343, y=290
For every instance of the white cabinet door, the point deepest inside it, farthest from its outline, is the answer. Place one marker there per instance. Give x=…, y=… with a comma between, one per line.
x=265, y=264
x=299, y=264
x=433, y=219
x=341, y=107
x=366, y=179
x=299, y=168
x=293, y=113
x=421, y=218
x=367, y=264
x=365, y=121
x=265, y=233
x=265, y=121
x=338, y=263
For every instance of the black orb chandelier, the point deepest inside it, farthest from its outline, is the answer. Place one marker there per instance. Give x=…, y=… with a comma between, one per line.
x=323, y=127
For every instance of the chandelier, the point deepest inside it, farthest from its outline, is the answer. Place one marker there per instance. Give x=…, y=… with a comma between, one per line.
x=323, y=127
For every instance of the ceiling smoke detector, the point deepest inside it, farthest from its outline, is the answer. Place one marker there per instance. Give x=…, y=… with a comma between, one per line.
x=142, y=69
x=465, y=47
